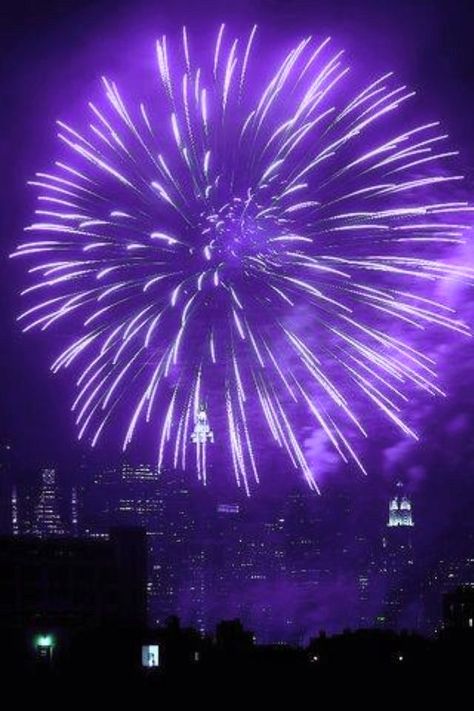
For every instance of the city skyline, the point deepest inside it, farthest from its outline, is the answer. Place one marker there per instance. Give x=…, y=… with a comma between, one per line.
x=284, y=568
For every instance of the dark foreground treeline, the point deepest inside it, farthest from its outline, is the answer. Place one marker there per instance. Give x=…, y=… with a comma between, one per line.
x=110, y=659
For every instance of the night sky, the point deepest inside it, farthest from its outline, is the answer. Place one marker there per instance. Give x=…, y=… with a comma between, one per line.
x=53, y=56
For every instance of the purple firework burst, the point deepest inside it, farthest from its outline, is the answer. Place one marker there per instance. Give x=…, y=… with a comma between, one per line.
x=243, y=249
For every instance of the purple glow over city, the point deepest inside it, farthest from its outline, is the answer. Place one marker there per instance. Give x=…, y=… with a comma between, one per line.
x=252, y=249
x=236, y=433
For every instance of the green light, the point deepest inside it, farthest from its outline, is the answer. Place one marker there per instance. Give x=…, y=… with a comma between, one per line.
x=44, y=640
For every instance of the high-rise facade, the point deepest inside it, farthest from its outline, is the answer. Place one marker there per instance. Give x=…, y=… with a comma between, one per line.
x=178, y=563
x=5, y=487
x=40, y=505
x=47, y=522
x=398, y=561
x=162, y=504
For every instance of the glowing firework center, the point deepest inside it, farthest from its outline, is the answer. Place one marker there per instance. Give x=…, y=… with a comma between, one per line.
x=261, y=237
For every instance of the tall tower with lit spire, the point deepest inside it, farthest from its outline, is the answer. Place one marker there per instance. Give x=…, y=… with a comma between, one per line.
x=400, y=509
x=398, y=559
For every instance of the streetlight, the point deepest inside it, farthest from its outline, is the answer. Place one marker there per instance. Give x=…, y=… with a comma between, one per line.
x=44, y=644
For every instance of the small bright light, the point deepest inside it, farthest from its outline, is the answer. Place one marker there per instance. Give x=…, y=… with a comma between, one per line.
x=44, y=640
x=400, y=658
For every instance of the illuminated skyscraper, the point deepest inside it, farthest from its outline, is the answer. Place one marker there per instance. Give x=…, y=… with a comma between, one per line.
x=47, y=520
x=160, y=503
x=5, y=488
x=179, y=558
x=127, y=495
x=400, y=510
x=74, y=511
x=398, y=560
x=139, y=502
x=15, y=522
x=230, y=559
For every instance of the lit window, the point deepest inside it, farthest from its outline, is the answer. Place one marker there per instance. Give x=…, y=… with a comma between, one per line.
x=150, y=655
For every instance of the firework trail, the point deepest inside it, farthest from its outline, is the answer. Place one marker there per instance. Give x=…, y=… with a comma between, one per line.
x=246, y=247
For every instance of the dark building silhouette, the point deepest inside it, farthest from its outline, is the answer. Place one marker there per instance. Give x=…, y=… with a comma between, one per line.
x=232, y=638
x=67, y=583
x=458, y=609
x=163, y=505
x=451, y=567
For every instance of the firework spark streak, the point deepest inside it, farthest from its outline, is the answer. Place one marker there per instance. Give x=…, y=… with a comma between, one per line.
x=250, y=245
